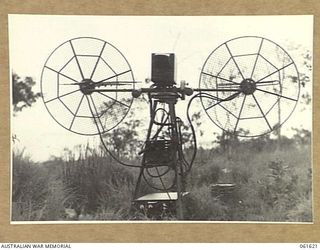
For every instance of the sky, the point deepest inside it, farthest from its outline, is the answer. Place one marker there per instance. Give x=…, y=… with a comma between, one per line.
x=33, y=37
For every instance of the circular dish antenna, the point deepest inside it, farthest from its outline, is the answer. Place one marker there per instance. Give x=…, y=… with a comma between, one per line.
x=257, y=85
x=81, y=85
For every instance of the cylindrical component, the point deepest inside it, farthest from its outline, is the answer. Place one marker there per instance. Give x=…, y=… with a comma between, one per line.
x=188, y=91
x=136, y=93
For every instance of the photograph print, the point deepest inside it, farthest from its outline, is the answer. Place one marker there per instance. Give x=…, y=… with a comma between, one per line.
x=161, y=118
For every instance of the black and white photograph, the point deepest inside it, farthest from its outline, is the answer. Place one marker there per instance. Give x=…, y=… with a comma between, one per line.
x=161, y=119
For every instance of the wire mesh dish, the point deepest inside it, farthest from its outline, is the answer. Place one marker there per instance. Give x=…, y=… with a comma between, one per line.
x=75, y=81
x=265, y=81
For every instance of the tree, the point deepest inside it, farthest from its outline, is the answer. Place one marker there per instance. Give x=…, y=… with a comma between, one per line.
x=124, y=139
x=302, y=136
x=22, y=94
x=304, y=64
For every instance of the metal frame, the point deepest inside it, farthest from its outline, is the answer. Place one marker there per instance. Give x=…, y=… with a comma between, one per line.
x=232, y=83
x=75, y=82
x=167, y=96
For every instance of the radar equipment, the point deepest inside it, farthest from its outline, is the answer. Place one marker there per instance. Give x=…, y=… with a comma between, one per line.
x=88, y=87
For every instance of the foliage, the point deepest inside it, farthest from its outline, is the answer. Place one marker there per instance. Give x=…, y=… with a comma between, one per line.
x=305, y=67
x=302, y=136
x=202, y=206
x=186, y=133
x=272, y=184
x=22, y=93
x=100, y=184
x=126, y=132
x=37, y=193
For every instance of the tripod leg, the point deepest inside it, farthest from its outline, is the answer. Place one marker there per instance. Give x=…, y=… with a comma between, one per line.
x=153, y=106
x=177, y=165
x=137, y=188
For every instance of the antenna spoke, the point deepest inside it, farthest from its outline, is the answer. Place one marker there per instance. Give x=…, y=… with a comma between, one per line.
x=92, y=115
x=124, y=72
x=219, y=78
x=227, y=110
x=115, y=82
x=268, y=81
x=270, y=84
x=249, y=54
x=277, y=95
x=244, y=99
x=76, y=59
x=227, y=84
x=250, y=118
x=255, y=63
x=111, y=83
x=87, y=55
x=262, y=112
x=65, y=106
x=207, y=108
x=224, y=66
x=75, y=114
x=273, y=105
x=222, y=100
x=108, y=65
x=234, y=61
x=268, y=62
x=275, y=72
x=62, y=96
x=101, y=93
x=95, y=108
x=95, y=66
x=66, y=64
x=59, y=73
x=70, y=83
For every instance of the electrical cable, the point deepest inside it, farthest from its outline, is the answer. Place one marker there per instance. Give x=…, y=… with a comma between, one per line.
x=157, y=176
x=193, y=133
x=188, y=165
x=162, y=123
x=105, y=146
x=162, y=183
x=157, y=188
x=184, y=161
x=204, y=95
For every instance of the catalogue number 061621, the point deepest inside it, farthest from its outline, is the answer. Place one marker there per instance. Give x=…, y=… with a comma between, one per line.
x=308, y=245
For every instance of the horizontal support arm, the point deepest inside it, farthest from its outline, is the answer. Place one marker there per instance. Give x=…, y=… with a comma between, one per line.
x=172, y=90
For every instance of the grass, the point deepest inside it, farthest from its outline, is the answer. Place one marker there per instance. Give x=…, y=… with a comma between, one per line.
x=271, y=185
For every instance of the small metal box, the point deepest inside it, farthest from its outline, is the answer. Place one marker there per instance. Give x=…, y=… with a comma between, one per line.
x=163, y=69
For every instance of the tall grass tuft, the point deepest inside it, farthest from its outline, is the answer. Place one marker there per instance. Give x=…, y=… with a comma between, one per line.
x=272, y=184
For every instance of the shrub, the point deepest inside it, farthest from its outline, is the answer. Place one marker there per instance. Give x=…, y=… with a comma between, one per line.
x=200, y=205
